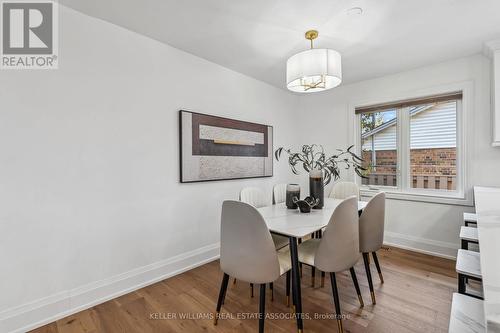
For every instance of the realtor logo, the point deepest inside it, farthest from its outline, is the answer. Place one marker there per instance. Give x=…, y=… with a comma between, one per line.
x=29, y=34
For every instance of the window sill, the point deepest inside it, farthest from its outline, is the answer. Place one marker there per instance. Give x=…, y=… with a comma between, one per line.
x=420, y=196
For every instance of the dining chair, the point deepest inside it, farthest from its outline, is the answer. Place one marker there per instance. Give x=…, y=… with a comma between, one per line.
x=371, y=235
x=255, y=196
x=279, y=193
x=340, y=190
x=337, y=250
x=248, y=253
x=343, y=190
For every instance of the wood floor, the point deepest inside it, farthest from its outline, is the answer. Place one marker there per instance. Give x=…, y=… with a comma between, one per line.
x=416, y=297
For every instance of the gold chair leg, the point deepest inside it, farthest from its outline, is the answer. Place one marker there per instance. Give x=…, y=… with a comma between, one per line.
x=339, y=324
x=234, y=281
x=361, y=303
x=216, y=317
x=373, y=297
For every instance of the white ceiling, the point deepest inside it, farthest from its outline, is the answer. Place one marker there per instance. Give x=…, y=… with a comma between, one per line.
x=256, y=37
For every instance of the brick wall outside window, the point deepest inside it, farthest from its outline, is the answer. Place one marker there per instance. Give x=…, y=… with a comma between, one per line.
x=433, y=168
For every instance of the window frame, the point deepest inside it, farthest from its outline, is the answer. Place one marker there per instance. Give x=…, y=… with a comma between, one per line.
x=403, y=191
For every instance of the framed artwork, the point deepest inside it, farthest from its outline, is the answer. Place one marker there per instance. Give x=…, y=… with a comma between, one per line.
x=217, y=148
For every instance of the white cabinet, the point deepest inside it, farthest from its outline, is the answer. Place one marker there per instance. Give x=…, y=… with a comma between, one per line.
x=493, y=51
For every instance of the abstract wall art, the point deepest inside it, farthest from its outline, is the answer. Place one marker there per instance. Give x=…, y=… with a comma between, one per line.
x=216, y=148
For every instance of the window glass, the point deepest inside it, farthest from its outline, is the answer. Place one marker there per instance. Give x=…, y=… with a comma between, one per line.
x=433, y=146
x=379, y=147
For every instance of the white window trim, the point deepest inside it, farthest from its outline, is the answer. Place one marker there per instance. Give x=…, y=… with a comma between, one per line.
x=464, y=194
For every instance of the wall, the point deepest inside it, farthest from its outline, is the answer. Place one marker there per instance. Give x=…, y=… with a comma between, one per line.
x=91, y=202
x=427, y=227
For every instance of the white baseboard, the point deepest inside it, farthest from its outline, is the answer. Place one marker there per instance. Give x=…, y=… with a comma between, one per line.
x=43, y=311
x=422, y=245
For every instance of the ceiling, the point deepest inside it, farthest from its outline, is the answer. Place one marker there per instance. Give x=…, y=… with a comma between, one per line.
x=256, y=37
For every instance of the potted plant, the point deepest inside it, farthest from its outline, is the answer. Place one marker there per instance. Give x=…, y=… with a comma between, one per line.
x=321, y=168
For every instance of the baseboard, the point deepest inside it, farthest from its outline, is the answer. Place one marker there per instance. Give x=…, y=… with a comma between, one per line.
x=43, y=311
x=422, y=245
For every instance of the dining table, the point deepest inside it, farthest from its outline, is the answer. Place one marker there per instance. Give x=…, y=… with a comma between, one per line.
x=296, y=225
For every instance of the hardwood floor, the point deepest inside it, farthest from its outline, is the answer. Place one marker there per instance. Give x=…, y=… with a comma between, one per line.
x=416, y=297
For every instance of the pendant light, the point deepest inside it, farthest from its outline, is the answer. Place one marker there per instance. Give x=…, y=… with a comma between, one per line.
x=313, y=70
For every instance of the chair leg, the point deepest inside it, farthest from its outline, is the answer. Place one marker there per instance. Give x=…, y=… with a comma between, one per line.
x=356, y=286
x=461, y=284
x=234, y=281
x=369, y=276
x=271, y=287
x=251, y=290
x=375, y=259
x=222, y=295
x=288, y=288
x=299, y=240
x=322, y=279
x=262, y=307
x=313, y=275
x=335, y=292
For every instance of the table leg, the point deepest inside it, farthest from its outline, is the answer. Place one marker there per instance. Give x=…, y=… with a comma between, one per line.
x=294, y=256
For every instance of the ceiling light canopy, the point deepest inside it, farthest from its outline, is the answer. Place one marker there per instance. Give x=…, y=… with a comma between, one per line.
x=314, y=69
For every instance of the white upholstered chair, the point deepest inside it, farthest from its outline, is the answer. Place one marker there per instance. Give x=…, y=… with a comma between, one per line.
x=248, y=252
x=255, y=196
x=337, y=250
x=279, y=193
x=343, y=190
x=371, y=235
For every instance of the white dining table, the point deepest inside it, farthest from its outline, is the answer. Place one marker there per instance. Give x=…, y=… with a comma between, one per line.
x=296, y=225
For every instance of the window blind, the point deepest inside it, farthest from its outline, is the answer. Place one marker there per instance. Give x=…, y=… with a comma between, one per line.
x=410, y=102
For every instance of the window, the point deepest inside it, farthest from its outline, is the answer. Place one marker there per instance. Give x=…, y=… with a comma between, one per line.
x=379, y=142
x=413, y=146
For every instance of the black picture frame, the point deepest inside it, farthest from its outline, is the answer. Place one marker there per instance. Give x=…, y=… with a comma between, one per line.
x=181, y=152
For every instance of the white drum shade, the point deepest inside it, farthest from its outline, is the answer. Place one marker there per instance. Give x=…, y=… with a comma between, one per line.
x=306, y=70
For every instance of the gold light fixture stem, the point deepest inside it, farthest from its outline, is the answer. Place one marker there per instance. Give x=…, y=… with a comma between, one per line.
x=311, y=34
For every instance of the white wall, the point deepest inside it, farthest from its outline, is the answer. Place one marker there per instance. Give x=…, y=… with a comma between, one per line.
x=422, y=226
x=89, y=167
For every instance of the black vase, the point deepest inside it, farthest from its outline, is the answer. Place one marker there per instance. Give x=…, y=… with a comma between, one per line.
x=292, y=191
x=316, y=187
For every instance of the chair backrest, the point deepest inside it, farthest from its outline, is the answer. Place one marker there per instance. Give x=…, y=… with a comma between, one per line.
x=253, y=196
x=338, y=249
x=247, y=249
x=343, y=190
x=279, y=193
x=371, y=224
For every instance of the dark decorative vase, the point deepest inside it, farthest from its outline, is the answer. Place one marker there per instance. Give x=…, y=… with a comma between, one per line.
x=316, y=187
x=292, y=191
